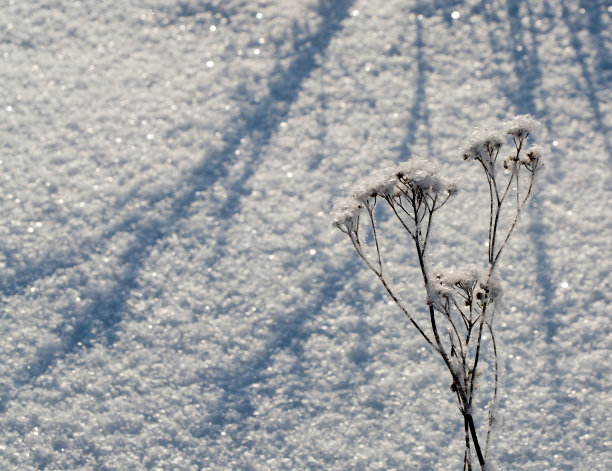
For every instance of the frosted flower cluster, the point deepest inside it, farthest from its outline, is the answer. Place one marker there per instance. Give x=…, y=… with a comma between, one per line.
x=483, y=144
x=473, y=282
x=345, y=215
x=392, y=182
x=531, y=158
x=521, y=126
x=423, y=175
x=380, y=183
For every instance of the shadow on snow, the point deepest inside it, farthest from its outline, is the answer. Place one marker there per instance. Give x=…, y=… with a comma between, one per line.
x=234, y=405
x=522, y=96
x=99, y=319
x=605, y=63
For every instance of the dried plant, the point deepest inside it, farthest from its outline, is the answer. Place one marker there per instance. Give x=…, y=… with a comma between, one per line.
x=462, y=302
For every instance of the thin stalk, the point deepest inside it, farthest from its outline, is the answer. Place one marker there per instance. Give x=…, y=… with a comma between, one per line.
x=516, y=217
x=428, y=225
x=448, y=315
x=400, y=219
x=467, y=462
x=410, y=318
x=357, y=244
x=461, y=313
x=509, y=184
x=358, y=249
x=517, y=188
x=493, y=405
x=491, y=209
x=370, y=212
x=470, y=422
x=477, y=354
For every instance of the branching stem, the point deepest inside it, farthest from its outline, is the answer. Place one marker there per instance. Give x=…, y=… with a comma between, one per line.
x=464, y=308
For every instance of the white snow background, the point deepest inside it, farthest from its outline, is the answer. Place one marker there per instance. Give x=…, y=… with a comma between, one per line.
x=173, y=294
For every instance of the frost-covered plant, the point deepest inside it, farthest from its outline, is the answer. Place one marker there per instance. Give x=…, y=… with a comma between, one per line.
x=461, y=302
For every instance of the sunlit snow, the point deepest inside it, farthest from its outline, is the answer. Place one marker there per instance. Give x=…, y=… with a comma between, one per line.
x=174, y=295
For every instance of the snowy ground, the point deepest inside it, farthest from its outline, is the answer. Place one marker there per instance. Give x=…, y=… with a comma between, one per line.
x=173, y=295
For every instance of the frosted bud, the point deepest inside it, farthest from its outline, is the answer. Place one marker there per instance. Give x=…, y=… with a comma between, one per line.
x=490, y=288
x=510, y=160
x=534, y=153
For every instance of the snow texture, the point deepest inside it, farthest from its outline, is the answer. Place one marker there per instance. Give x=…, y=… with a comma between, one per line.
x=173, y=296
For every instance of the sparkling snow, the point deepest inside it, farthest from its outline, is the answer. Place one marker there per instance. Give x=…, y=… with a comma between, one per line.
x=173, y=293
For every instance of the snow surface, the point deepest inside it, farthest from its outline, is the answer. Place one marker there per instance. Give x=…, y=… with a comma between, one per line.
x=173, y=293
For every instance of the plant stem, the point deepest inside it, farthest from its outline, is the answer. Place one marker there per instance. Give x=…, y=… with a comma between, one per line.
x=467, y=464
x=470, y=422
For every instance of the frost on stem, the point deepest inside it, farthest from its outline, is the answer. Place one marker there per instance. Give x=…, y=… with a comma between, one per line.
x=462, y=302
x=414, y=190
x=522, y=169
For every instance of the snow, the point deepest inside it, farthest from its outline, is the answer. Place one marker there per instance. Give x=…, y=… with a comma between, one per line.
x=173, y=293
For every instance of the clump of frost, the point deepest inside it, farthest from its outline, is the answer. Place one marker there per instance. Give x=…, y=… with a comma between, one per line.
x=469, y=281
x=424, y=176
x=379, y=183
x=464, y=277
x=532, y=154
x=418, y=175
x=491, y=288
x=445, y=280
x=345, y=215
x=483, y=144
x=521, y=126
